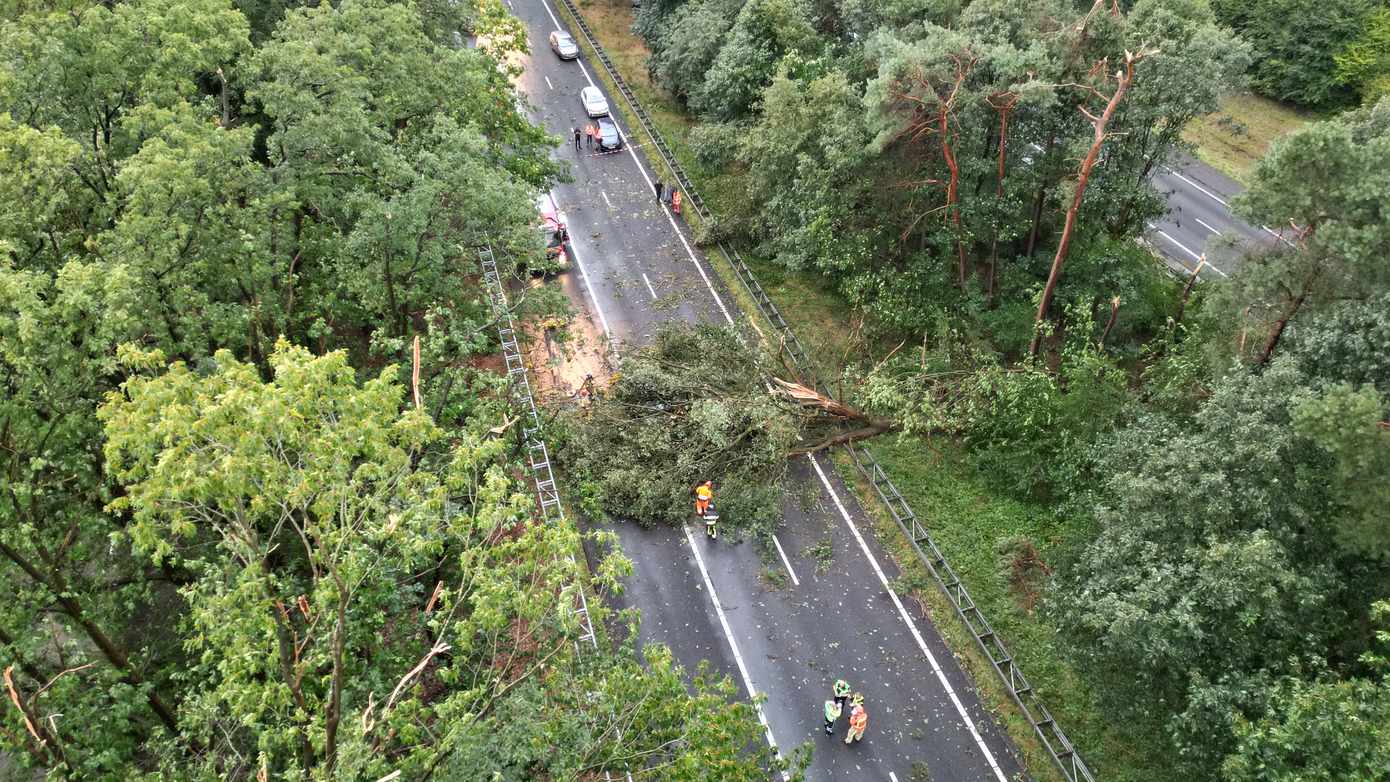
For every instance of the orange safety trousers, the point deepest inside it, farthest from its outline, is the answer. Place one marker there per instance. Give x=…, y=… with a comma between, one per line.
x=858, y=721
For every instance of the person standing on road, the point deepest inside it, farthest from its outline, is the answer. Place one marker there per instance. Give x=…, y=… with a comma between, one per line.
x=659, y=187
x=841, y=692
x=675, y=200
x=858, y=720
x=591, y=132
x=832, y=713
x=576, y=138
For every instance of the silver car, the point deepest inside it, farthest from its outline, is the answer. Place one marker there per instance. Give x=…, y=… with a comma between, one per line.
x=563, y=45
x=594, y=102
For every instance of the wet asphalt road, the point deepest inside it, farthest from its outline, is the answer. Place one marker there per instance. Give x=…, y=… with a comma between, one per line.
x=1199, y=220
x=825, y=617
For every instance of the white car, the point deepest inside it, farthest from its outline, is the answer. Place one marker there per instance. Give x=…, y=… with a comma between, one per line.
x=594, y=102
x=562, y=43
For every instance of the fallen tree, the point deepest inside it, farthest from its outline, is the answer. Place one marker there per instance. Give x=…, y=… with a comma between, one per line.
x=697, y=404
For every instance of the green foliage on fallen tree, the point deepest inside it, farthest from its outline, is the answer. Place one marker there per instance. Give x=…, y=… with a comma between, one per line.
x=692, y=406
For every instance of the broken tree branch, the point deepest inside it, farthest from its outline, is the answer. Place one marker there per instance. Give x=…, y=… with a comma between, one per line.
x=861, y=433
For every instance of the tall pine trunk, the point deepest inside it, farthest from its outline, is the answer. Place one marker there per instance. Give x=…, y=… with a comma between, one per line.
x=1124, y=78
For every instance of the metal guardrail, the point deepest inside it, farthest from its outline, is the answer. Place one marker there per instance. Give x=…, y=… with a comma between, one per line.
x=1068, y=760
x=522, y=401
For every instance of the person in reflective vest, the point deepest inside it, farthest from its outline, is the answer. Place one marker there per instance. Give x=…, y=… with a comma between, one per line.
x=858, y=720
x=704, y=493
x=832, y=713
x=841, y=692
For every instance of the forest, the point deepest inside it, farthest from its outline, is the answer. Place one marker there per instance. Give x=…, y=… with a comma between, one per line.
x=243, y=541
x=234, y=547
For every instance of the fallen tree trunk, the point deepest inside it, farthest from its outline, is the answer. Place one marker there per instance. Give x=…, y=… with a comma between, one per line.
x=863, y=432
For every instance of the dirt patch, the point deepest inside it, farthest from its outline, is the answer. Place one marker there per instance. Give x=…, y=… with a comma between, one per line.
x=488, y=362
x=565, y=355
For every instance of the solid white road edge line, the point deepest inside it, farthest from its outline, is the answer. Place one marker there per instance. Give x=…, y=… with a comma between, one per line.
x=785, y=561
x=1183, y=247
x=641, y=169
x=911, y=625
x=1175, y=242
x=1213, y=196
x=733, y=645
x=650, y=289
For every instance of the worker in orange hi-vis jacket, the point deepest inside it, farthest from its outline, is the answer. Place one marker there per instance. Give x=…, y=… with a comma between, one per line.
x=703, y=494
x=858, y=720
x=675, y=200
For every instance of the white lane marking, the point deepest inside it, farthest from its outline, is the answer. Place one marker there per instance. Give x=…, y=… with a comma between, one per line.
x=589, y=287
x=911, y=625
x=729, y=636
x=1276, y=235
x=1213, y=196
x=785, y=561
x=1179, y=244
x=547, y=81
x=1222, y=201
x=1207, y=225
x=605, y=199
x=641, y=169
x=649, y=286
x=892, y=777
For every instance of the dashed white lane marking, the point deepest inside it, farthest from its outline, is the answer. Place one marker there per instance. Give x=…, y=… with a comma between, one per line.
x=1207, y=225
x=547, y=82
x=892, y=777
x=733, y=645
x=785, y=561
x=641, y=169
x=589, y=288
x=605, y=199
x=911, y=625
x=649, y=286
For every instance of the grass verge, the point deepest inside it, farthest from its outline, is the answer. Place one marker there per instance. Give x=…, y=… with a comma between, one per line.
x=968, y=518
x=1233, y=138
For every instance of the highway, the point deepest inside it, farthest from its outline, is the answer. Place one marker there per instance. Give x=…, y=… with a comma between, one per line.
x=782, y=630
x=1199, y=219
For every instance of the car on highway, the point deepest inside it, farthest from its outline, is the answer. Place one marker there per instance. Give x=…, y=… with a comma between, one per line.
x=562, y=43
x=594, y=103
x=608, y=136
x=555, y=231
